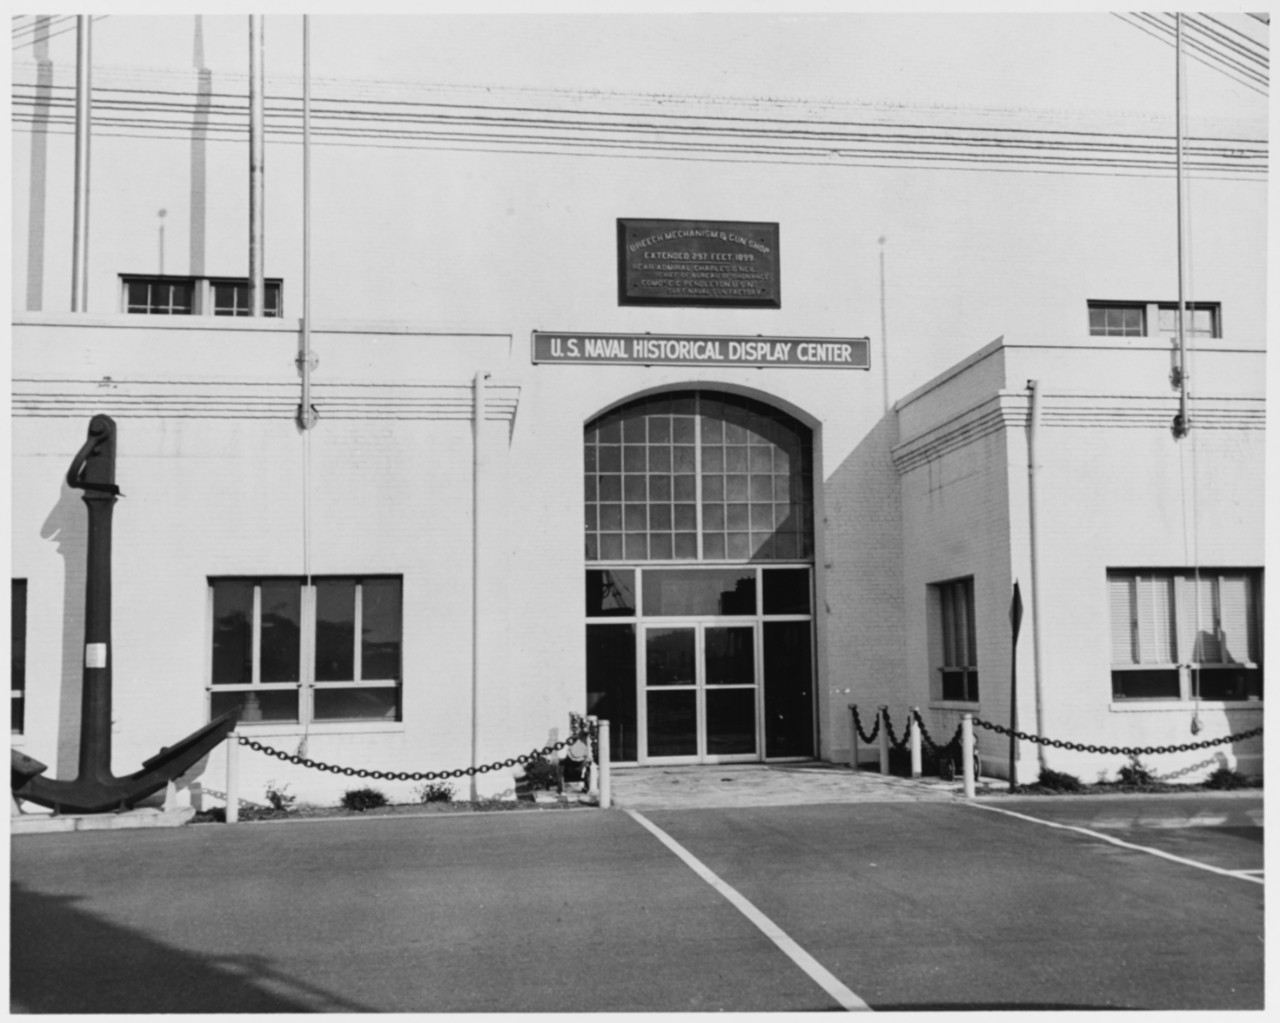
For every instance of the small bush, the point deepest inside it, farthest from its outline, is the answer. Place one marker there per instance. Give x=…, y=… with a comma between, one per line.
x=363, y=799
x=436, y=792
x=1057, y=781
x=280, y=797
x=541, y=773
x=1136, y=773
x=1226, y=778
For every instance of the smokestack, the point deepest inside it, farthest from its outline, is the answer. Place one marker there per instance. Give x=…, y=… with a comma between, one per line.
x=84, y=126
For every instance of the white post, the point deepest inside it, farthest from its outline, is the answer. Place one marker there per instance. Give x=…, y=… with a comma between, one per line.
x=592, y=765
x=853, y=732
x=233, y=778
x=914, y=733
x=883, y=712
x=966, y=753
x=605, y=795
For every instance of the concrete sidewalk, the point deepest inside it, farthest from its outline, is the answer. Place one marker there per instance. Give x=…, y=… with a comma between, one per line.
x=729, y=785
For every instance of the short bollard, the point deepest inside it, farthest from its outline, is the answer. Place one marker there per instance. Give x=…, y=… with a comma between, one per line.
x=913, y=731
x=966, y=753
x=605, y=794
x=233, y=778
x=884, y=739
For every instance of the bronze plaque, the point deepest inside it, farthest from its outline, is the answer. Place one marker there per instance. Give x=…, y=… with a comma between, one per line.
x=698, y=263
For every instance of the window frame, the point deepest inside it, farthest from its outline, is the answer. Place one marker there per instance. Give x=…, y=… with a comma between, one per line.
x=203, y=293
x=1150, y=316
x=1184, y=672
x=954, y=644
x=307, y=685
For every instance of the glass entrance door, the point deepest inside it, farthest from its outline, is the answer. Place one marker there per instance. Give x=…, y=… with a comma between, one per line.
x=701, y=692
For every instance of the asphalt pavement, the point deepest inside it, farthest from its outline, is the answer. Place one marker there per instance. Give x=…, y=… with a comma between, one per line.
x=912, y=905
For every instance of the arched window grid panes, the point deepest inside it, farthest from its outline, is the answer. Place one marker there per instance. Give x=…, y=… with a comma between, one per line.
x=697, y=476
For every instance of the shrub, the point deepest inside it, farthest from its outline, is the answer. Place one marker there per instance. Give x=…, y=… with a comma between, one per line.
x=1136, y=773
x=280, y=797
x=363, y=799
x=541, y=773
x=436, y=792
x=1057, y=781
x=1226, y=778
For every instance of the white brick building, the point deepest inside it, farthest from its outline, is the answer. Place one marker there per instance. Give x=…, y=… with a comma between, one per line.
x=421, y=550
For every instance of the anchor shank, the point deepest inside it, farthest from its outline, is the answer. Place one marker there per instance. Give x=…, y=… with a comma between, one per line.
x=95, y=697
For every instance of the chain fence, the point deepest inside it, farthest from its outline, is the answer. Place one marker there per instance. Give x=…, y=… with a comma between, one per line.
x=953, y=745
x=585, y=735
x=1128, y=751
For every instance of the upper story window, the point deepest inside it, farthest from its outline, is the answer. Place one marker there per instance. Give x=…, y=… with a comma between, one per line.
x=1185, y=634
x=1153, y=319
x=195, y=296
x=955, y=640
x=698, y=476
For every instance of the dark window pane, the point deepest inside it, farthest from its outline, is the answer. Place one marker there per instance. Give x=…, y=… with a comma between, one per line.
x=611, y=684
x=380, y=625
x=1230, y=683
x=138, y=297
x=699, y=591
x=729, y=654
x=731, y=721
x=257, y=704
x=271, y=300
x=788, y=690
x=232, y=635
x=281, y=630
x=673, y=723
x=1145, y=685
x=335, y=630
x=611, y=592
x=960, y=684
x=669, y=657
x=357, y=703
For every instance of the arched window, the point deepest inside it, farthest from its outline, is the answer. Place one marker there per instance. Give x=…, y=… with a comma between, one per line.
x=698, y=476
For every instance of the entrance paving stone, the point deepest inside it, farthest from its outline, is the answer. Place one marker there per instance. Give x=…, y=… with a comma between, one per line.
x=712, y=786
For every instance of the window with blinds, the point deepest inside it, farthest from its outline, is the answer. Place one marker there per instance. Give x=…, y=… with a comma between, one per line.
x=1182, y=634
x=958, y=671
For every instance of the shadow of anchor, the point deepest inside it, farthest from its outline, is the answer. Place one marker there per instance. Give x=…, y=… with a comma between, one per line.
x=95, y=789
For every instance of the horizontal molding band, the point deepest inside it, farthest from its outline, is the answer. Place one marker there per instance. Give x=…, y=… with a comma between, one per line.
x=34, y=398
x=1012, y=411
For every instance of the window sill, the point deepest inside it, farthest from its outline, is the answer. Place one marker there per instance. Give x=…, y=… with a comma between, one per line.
x=264, y=728
x=955, y=705
x=1131, y=706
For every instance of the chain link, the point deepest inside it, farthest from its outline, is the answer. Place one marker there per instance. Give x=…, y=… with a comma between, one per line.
x=461, y=772
x=1128, y=751
x=894, y=741
x=857, y=723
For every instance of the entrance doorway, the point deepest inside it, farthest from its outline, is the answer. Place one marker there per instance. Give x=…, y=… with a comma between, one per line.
x=699, y=538
x=701, y=689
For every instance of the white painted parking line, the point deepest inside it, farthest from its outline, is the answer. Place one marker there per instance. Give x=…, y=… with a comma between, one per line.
x=816, y=971
x=1243, y=875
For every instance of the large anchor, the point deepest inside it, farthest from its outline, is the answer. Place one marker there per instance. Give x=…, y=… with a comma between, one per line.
x=95, y=789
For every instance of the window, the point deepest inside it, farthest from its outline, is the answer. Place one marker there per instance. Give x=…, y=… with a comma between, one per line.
x=692, y=476
x=957, y=640
x=1184, y=634
x=195, y=296
x=18, y=657
x=285, y=651
x=1152, y=319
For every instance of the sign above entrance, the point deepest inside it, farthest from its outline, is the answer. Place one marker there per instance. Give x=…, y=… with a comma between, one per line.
x=698, y=263
x=702, y=350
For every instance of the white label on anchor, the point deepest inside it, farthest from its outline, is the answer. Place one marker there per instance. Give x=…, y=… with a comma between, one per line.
x=95, y=655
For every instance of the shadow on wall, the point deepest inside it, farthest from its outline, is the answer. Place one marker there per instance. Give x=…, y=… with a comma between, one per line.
x=65, y=960
x=68, y=527
x=864, y=555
